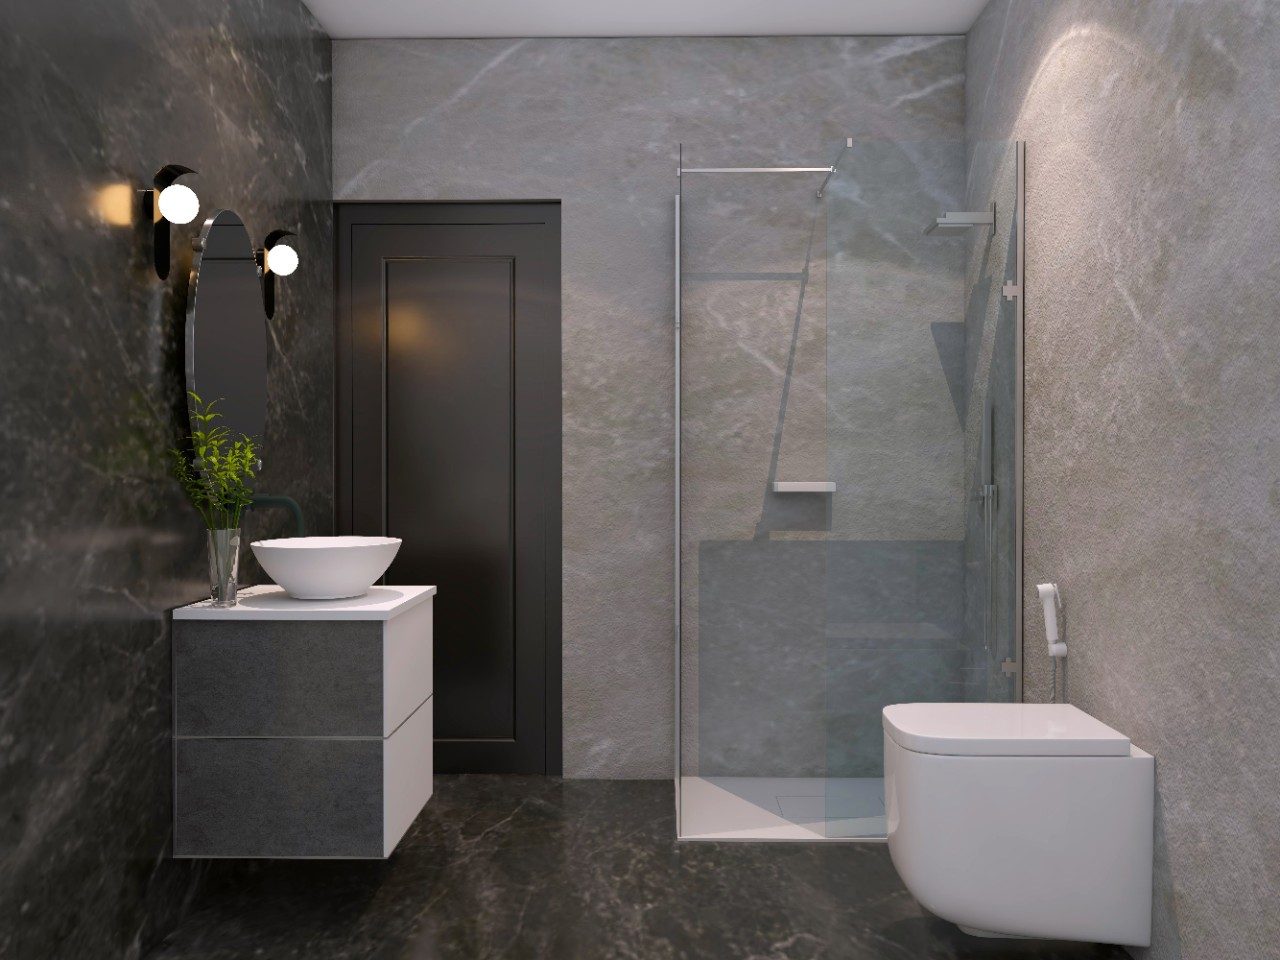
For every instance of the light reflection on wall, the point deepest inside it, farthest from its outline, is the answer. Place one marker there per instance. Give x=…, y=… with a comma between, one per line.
x=115, y=204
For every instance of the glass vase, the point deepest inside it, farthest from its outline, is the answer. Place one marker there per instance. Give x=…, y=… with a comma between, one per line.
x=224, y=559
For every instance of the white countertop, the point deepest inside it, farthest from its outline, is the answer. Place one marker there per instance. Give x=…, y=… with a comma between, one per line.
x=269, y=602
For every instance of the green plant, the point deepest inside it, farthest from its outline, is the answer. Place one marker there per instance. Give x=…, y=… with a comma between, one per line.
x=216, y=471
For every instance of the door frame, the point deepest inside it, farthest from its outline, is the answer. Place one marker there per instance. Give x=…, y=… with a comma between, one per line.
x=346, y=216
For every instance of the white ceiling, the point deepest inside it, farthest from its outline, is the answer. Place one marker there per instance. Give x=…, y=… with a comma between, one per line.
x=349, y=19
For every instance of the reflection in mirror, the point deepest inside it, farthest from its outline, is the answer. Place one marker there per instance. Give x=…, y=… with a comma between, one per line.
x=226, y=326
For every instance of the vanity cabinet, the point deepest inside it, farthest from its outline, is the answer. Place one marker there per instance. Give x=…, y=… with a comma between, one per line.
x=302, y=728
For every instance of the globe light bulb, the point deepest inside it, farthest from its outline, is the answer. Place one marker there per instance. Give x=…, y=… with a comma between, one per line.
x=282, y=259
x=178, y=203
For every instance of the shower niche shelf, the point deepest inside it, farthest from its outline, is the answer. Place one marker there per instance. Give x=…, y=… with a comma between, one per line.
x=954, y=222
x=803, y=486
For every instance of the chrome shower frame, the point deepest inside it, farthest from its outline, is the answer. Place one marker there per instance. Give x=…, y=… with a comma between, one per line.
x=1017, y=292
x=681, y=170
x=1014, y=291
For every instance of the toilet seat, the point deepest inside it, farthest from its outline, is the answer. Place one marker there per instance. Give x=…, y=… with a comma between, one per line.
x=1002, y=730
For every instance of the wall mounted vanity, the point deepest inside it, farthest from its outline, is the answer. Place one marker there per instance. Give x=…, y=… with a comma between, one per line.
x=302, y=728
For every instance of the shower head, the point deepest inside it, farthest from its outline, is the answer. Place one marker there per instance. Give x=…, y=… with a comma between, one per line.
x=953, y=223
x=848, y=145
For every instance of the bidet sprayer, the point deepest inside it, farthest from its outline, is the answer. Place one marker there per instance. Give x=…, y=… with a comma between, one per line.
x=1052, y=601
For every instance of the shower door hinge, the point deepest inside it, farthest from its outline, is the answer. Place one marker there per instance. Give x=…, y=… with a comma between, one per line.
x=1009, y=666
x=1012, y=291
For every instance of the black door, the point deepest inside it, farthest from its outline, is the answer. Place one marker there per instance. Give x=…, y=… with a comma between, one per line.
x=449, y=438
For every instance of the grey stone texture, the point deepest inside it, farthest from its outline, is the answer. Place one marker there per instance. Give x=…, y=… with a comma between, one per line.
x=96, y=542
x=278, y=797
x=277, y=678
x=1153, y=438
x=802, y=642
x=893, y=438
x=596, y=124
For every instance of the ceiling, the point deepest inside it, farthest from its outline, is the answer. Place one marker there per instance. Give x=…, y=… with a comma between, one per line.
x=345, y=19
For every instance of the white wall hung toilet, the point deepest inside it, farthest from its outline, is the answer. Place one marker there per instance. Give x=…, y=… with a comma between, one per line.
x=1021, y=819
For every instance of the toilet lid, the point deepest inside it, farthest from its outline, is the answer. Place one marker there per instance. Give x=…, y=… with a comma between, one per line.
x=1002, y=730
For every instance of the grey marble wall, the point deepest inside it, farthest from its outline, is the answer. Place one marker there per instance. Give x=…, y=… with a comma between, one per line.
x=96, y=543
x=1153, y=432
x=595, y=123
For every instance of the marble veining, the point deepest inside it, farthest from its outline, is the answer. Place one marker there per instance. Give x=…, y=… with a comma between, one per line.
x=596, y=124
x=1153, y=432
x=96, y=543
x=533, y=867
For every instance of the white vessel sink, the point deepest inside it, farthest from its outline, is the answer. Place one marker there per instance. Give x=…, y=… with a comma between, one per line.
x=326, y=568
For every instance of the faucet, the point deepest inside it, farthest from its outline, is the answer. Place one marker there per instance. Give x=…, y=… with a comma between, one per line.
x=261, y=500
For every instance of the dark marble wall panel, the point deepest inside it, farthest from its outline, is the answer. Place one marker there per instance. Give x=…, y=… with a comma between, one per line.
x=1153, y=430
x=96, y=543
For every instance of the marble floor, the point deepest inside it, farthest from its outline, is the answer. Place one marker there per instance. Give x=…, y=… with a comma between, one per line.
x=533, y=867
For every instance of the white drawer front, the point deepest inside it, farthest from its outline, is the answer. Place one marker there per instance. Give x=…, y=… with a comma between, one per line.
x=406, y=775
x=406, y=664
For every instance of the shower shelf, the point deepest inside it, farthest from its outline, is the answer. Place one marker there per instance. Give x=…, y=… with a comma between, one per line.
x=958, y=222
x=803, y=486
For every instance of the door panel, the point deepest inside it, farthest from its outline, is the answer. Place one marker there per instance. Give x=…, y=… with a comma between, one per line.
x=449, y=437
x=450, y=482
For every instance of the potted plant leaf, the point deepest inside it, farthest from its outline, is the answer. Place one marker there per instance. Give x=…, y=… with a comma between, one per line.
x=217, y=471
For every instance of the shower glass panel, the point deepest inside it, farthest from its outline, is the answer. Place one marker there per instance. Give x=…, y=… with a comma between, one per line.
x=993, y=425
x=847, y=483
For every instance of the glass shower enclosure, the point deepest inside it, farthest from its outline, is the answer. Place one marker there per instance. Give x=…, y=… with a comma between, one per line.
x=848, y=444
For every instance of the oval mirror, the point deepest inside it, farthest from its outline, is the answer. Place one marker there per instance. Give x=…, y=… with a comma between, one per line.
x=227, y=326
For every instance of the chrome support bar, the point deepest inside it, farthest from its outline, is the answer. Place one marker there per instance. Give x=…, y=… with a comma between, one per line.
x=1020, y=315
x=684, y=170
x=676, y=584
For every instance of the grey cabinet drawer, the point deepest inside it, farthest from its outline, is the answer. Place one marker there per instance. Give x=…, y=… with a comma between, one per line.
x=300, y=678
x=301, y=796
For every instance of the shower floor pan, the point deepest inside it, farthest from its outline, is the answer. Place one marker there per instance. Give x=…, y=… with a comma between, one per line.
x=782, y=808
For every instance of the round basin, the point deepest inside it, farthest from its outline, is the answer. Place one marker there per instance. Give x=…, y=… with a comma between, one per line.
x=326, y=568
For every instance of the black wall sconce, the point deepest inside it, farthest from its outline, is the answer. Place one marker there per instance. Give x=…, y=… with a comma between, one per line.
x=275, y=259
x=168, y=202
